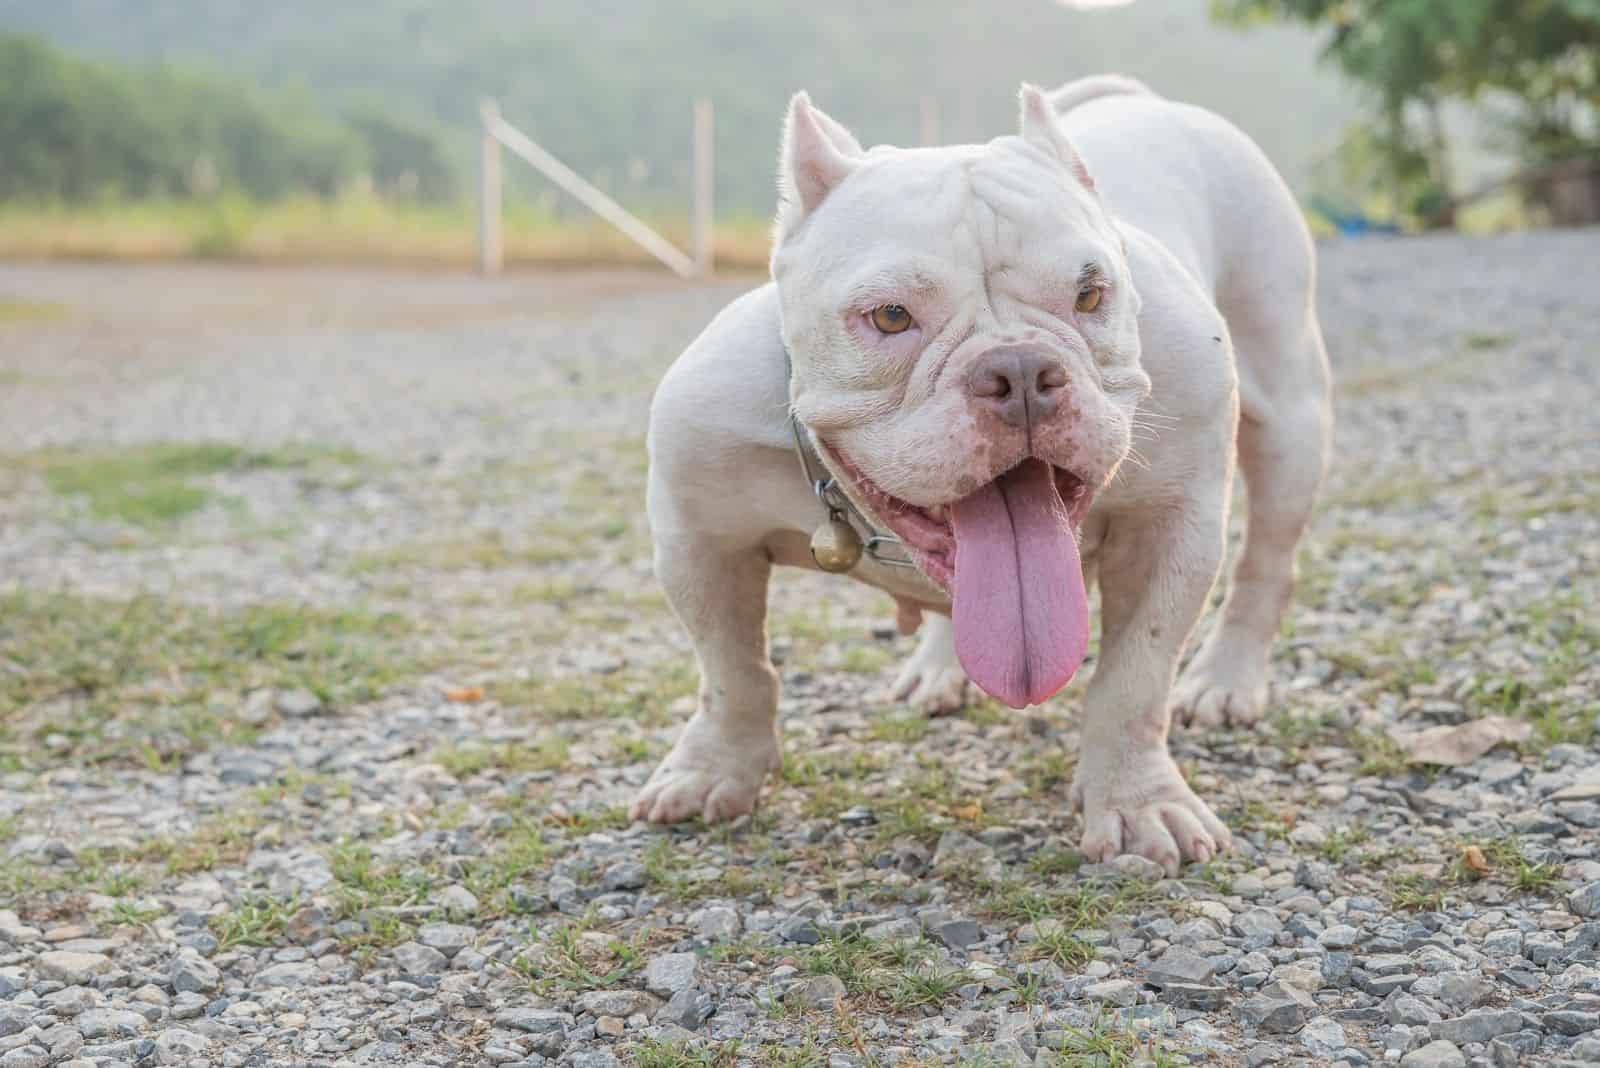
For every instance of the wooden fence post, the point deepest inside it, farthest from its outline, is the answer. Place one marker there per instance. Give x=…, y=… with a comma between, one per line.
x=704, y=237
x=490, y=196
x=928, y=121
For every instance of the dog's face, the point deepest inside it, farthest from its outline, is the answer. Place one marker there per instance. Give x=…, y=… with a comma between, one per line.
x=963, y=332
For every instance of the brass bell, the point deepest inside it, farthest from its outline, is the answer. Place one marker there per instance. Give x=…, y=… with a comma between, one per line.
x=835, y=546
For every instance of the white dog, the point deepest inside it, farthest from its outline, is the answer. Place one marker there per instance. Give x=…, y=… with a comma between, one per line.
x=970, y=342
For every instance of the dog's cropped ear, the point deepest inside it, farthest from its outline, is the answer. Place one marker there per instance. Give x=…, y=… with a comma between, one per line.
x=818, y=153
x=1040, y=129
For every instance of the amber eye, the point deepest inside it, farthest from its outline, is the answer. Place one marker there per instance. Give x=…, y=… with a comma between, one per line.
x=891, y=319
x=1088, y=299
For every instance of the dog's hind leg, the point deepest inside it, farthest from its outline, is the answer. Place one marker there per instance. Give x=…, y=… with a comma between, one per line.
x=1284, y=424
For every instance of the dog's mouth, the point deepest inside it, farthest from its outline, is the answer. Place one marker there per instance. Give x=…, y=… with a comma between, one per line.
x=1008, y=555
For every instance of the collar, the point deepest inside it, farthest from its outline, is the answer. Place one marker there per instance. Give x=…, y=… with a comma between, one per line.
x=883, y=548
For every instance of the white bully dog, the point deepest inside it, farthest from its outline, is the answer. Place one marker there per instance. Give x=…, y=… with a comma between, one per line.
x=969, y=341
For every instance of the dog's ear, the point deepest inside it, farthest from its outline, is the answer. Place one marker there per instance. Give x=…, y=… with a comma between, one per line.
x=818, y=153
x=1040, y=129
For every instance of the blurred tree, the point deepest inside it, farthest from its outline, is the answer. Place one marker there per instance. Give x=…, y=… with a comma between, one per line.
x=1418, y=53
x=74, y=130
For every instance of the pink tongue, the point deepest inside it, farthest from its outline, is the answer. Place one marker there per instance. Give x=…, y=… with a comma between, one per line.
x=1021, y=614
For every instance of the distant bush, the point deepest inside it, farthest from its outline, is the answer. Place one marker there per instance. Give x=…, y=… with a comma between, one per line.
x=77, y=131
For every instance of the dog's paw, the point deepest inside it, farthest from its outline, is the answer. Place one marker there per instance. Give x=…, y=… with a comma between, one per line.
x=1215, y=690
x=707, y=774
x=931, y=687
x=1150, y=811
x=932, y=680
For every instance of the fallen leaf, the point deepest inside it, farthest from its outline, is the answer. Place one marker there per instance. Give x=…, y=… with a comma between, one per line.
x=972, y=813
x=1475, y=861
x=1454, y=746
x=464, y=695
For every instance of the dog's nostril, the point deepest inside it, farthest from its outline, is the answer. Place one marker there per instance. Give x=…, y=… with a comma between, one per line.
x=1053, y=377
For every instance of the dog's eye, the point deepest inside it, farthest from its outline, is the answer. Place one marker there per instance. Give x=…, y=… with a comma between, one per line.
x=891, y=319
x=1088, y=299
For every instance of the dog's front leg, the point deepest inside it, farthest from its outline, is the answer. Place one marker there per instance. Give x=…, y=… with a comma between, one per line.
x=716, y=769
x=1155, y=575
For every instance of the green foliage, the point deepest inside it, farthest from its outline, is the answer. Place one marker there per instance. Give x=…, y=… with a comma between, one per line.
x=1416, y=54
x=78, y=131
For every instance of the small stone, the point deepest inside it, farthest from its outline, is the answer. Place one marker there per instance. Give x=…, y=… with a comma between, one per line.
x=1277, y=1009
x=1201, y=996
x=178, y=1046
x=298, y=704
x=26, y=1057
x=457, y=900
x=1585, y=900
x=610, y=1026
x=958, y=934
x=74, y=969
x=109, y=1023
x=1436, y=1054
x=822, y=991
x=447, y=938
x=595, y=1059
x=1339, y=936
x=417, y=959
x=1257, y=922
x=289, y=973
x=188, y=1006
x=799, y=929
x=686, y=1009
x=715, y=923
x=194, y=975
x=1462, y=991
x=671, y=972
x=1180, y=965
x=623, y=1003
x=1323, y=1036
x=1118, y=992
x=629, y=875
x=534, y=1021
x=1572, y=1023
x=1478, y=1026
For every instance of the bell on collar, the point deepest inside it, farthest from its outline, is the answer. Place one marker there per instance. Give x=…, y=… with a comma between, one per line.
x=835, y=546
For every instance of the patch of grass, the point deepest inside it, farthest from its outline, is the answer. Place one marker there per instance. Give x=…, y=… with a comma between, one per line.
x=17, y=310
x=907, y=730
x=1414, y=892
x=565, y=959
x=355, y=227
x=902, y=975
x=1341, y=843
x=547, y=754
x=1502, y=860
x=654, y=1053
x=1101, y=1046
x=252, y=922
x=134, y=680
x=149, y=485
x=487, y=551
x=640, y=694
x=222, y=839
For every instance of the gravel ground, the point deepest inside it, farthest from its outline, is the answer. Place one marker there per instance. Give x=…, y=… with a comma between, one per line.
x=330, y=657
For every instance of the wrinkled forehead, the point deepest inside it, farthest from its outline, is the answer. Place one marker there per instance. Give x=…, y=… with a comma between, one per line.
x=984, y=206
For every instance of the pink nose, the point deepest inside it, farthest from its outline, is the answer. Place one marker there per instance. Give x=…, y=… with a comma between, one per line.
x=1023, y=386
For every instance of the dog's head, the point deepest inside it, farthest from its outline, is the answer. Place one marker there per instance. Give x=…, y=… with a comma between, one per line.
x=963, y=330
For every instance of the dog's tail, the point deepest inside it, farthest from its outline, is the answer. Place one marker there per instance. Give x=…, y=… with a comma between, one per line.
x=1095, y=86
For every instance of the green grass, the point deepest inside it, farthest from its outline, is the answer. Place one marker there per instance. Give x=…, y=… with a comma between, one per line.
x=901, y=975
x=352, y=228
x=134, y=680
x=156, y=484
x=252, y=922
x=547, y=754
x=17, y=310
x=654, y=1053
x=1101, y=1046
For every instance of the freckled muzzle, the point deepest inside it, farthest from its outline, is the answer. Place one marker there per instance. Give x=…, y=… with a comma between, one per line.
x=1023, y=385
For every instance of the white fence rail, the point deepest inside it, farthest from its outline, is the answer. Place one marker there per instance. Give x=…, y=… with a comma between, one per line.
x=497, y=132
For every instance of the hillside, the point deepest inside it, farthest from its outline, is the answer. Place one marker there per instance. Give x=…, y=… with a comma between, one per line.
x=607, y=84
